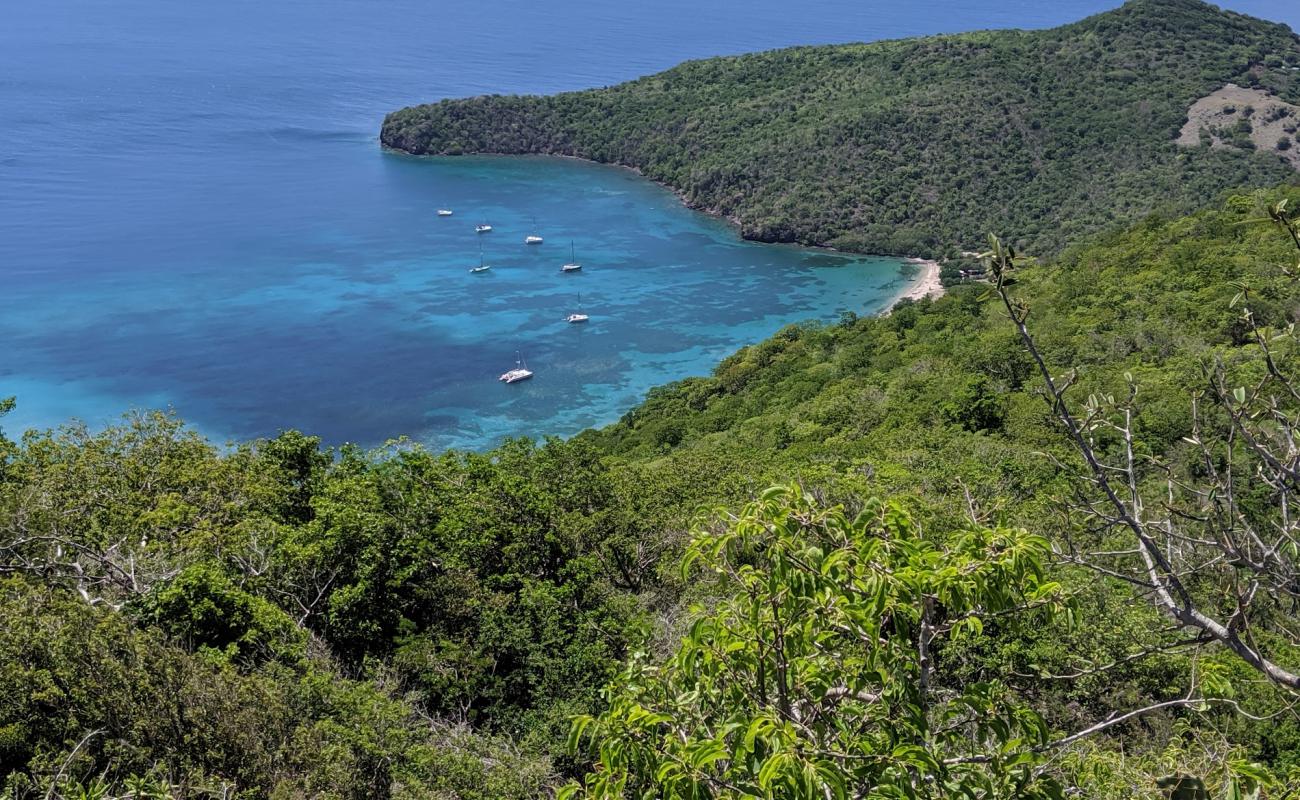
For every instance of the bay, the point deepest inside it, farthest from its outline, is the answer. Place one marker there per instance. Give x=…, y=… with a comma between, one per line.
x=195, y=214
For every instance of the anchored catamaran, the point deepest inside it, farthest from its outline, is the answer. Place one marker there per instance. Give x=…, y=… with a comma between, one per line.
x=521, y=372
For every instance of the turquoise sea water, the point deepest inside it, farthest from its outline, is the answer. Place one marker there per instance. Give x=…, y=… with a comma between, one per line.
x=369, y=324
x=194, y=213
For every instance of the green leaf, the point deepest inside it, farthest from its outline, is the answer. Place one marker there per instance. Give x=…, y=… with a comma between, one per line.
x=576, y=729
x=707, y=753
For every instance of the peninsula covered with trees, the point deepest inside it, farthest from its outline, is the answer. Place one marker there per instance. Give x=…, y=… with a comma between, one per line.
x=1038, y=538
x=919, y=146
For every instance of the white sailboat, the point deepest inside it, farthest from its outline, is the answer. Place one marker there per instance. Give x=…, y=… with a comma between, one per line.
x=481, y=266
x=483, y=227
x=573, y=265
x=521, y=372
x=533, y=238
x=577, y=316
x=444, y=212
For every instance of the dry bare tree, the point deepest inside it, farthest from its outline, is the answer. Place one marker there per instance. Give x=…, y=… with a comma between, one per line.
x=1213, y=543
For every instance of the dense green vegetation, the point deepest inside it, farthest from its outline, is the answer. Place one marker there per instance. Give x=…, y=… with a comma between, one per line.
x=919, y=146
x=274, y=620
x=832, y=609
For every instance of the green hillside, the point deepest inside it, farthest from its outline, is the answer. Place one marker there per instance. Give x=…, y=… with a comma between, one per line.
x=921, y=145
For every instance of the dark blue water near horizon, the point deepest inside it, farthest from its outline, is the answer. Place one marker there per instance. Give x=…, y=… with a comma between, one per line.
x=195, y=214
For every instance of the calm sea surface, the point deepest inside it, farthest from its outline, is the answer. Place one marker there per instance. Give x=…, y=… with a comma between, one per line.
x=195, y=213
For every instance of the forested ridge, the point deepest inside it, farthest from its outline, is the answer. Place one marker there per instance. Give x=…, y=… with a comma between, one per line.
x=919, y=146
x=1037, y=538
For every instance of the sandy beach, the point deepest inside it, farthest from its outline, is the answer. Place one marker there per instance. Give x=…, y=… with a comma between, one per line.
x=925, y=282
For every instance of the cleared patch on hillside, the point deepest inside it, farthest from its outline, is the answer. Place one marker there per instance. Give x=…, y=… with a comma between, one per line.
x=1235, y=117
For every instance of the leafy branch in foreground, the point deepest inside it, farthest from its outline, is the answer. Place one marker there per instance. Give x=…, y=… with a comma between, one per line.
x=821, y=677
x=1212, y=538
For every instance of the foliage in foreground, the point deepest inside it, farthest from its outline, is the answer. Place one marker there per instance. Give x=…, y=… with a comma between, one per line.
x=275, y=620
x=823, y=674
x=89, y=701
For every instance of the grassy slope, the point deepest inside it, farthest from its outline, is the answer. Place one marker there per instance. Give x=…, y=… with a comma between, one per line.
x=920, y=145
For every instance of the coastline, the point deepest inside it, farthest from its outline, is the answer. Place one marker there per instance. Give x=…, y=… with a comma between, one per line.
x=925, y=283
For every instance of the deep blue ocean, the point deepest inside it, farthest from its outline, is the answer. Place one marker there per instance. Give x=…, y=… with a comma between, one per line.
x=195, y=214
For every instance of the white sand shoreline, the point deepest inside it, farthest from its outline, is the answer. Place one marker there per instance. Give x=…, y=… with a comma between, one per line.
x=925, y=282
